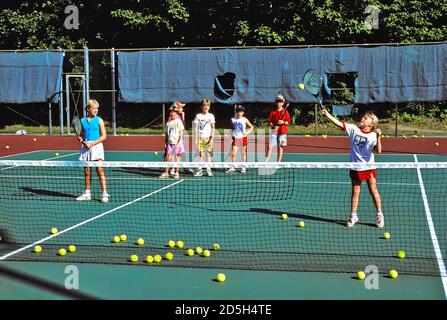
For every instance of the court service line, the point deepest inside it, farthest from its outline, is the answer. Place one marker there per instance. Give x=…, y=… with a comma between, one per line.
x=19, y=154
x=52, y=158
x=434, y=238
x=87, y=221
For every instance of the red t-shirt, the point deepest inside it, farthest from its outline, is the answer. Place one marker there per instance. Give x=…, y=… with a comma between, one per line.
x=275, y=116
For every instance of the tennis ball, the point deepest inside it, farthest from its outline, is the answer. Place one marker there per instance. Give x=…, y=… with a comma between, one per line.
x=190, y=252
x=405, y=137
x=34, y=139
x=134, y=258
x=437, y=144
x=401, y=254
x=393, y=274
x=220, y=277
x=149, y=259
x=199, y=250
x=216, y=247
x=361, y=275
x=157, y=258
x=71, y=248
x=386, y=235
x=206, y=253
x=57, y=154
x=156, y=153
x=180, y=244
x=301, y=86
x=284, y=216
x=301, y=224
x=171, y=243
x=169, y=256
x=53, y=230
x=7, y=147
x=422, y=136
x=123, y=237
x=116, y=239
x=127, y=134
x=140, y=241
x=37, y=249
x=62, y=252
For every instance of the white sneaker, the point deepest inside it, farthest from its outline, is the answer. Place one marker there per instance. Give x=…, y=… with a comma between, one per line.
x=352, y=221
x=105, y=197
x=231, y=169
x=172, y=172
x=243, y=170
x=84, y=197
x=198, y=173
x=380, y=221
x=209, y=172
x=176, y=176
x=191, y=170
x=164, y=175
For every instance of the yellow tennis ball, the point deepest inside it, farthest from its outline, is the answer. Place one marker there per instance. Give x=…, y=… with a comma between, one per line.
x=180, y=244
x=216, y=247
x=34, y=139
x=393, y=274
x=199, y=250
x=401, y=254
x=156, y=153
x=361, y=275
x=171, y=243
x=386, y=235
x=62, y=252
x=134, y=258
x=301, y=224
x=57, y=154
x=169, y=256
x=127, y=134
x=157, y=258
x=116, y=239
x=123, y=237
x=301, y=86
x=284, y=216
x=190, y=252
x=149, y=259
x=220, y=277
x=37, y=249
x=71, y=248
x=206, y=253
x=437, y=144
x=53, y=230
x=140, y=241
x=7, y=147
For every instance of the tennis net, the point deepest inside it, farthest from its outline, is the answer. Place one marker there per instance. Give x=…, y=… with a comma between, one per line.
x=242, y=212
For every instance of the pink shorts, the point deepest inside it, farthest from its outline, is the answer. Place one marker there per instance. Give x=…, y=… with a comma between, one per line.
x=179, y=150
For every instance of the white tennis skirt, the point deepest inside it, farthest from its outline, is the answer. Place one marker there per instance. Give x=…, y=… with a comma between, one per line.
x=94, y=153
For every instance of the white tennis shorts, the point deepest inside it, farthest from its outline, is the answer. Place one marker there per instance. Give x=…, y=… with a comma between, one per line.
x=94, y=153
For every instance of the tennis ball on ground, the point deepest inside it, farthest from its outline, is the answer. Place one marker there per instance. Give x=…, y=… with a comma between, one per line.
x=116, y=239
x=140, y=241
x=62, y=252
x=169, y=256
x=57, y=154
x=206, y=253
x=171, y=243
x=34, y=139
x=123, y=237
x=216, y=247
x=180, y=244
x=301, y=224
x=190, y=252
x=127, y=134
x=134, y=258
x=37, y=249
x=220, y=277
x=386, y=235
x=53, y=230
x=156, y=153
x=361, y=275
x=437, y=144
x=393, y=274
x=157, y=258
x=401, y=254
x=422, y=136
x=149, y=259
x=71, y=248
x=405, y=137
x=7, y=147
x=199, y=250
x=284, y=216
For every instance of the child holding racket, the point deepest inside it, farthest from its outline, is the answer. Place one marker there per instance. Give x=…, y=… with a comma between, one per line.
x=92, y=135
x=279, y=119
x=364, y=140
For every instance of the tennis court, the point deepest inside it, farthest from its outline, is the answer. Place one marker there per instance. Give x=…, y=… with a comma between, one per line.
x=262, y=255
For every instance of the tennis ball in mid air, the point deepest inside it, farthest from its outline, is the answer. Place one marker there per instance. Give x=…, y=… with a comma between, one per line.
x=206, y=253
x=134, y=258
x=71, y=248
x=301, y=86
x=284, y=216
x=190, y=252
x=37, y=249
x=216, y=247
x=53, y=230
x=116, y=239
x=149, y=259
x=123, y=237
x=199, y=250
x=157, y=258
x=140, y=241
x=361, y=275
x=301, y=224
x=401, y=254
x=169, y=256
x=171, y=243
x=393, y=274
x=386, y=235
x=220, y=277
x=180, y=244
x=62, y=252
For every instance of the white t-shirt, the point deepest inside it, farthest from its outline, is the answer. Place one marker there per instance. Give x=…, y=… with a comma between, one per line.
x=205, y=121
x=239, y=126
x=173, y=129
x=362, y=144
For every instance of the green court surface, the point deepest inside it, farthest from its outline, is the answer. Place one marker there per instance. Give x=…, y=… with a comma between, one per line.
x=116, y=278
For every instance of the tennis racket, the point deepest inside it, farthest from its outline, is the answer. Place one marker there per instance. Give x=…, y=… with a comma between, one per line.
x=313, y=81
x=77, y=127
x=275, y=129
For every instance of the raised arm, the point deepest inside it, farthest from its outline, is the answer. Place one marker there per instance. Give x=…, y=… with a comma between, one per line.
x=332, y=118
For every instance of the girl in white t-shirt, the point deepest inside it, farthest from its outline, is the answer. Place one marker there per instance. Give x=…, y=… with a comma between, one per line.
x=239, y=136
x=364, y=140
x=204, y=127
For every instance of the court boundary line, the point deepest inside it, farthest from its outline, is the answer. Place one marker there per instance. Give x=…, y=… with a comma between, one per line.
x=4, y=257
x=431, y=226
x=52, y=158
x=21, y=153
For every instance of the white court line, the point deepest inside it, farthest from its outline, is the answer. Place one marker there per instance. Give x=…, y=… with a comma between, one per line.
x=19, y=154
x=431, y=226
x=86, y=221
x=66, y=155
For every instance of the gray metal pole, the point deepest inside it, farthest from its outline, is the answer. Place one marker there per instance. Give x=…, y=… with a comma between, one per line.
x=67, y=100
x=112, y=59
x=61, y=109
x=316, y=120
x=87, y=74
x=164, y=116
x=396, y=111
x=50, y=126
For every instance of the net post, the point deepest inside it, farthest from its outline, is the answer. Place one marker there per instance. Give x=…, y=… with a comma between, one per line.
x=396, y=112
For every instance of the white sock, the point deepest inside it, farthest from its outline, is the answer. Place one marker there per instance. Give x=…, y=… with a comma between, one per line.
x=354, y=213
x=379, y=213
x=87, y=191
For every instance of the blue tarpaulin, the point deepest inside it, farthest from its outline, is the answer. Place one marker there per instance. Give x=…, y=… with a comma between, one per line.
x=27, y=77
x=385, y=74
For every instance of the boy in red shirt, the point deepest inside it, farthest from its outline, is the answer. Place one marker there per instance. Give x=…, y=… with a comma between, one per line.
x=279, y=119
